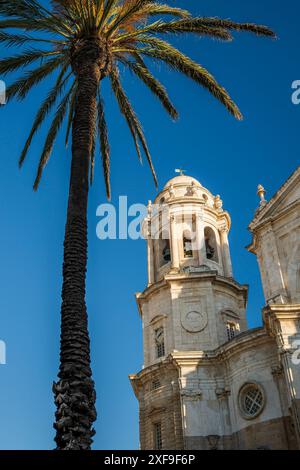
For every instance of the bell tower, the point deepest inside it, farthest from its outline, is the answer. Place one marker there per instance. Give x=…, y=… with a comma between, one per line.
x=191, y=306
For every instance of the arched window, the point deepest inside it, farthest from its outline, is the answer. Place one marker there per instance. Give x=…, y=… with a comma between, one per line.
x=187, y=244
x=211, y=244
x=159, y=342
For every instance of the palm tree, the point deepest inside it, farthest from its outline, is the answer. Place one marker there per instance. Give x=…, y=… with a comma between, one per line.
x=80, y=43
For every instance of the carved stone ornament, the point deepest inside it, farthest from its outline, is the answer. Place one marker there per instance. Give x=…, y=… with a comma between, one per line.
x=218, y=203
x=277, y=371
x=213, y=442
x=191, y=394
x=191, y=190
x=196, y=269
x=171, y=192
x=222, y=393
x=194, y=321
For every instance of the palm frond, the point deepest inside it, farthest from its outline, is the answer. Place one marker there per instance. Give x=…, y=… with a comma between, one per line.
x=104, y=146
x=260, y=30
x=143, y=73
x=129, y=31
x=99, y=11
x=192, y=25
x=107, y=10
x=130, y=116
x=126, y=13
x=19, y=40
x=44, y=110
x=21, y=8
x=147, y=10
x=10, y=64
x=175, y=59
x=22, y=86
x=47, y=25
x=51, y=136
x=175, y=27
x=153, y=9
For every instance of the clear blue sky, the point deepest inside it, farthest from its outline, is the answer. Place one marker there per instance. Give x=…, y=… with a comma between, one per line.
x=228, y=157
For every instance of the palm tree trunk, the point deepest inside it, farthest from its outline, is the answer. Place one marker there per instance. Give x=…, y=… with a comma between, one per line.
x=75, y=391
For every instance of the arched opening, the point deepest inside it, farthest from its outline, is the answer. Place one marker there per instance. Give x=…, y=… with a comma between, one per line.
x=164, y=249
x=211, y=244
x=187, y=244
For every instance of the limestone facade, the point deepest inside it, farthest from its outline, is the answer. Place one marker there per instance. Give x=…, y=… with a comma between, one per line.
x=208, y=382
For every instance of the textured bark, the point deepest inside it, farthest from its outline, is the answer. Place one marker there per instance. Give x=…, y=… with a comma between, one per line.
x=75, y=391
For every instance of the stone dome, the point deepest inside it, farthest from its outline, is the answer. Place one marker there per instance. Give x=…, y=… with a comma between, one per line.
x=182, y=179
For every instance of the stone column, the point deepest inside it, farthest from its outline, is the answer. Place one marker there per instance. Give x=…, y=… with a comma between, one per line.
x=227, y=266
x=226, y=433
x=174, y=243
x=150, y=246
x=200, y=241
x=291, y=374
x=283, y=323
x=150, y=254
x=278, y=376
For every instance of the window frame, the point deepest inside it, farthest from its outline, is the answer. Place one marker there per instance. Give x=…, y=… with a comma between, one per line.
x=241, y=395
x=155, y=384
x=231, y=330
x=157, y=435
x=160, y=347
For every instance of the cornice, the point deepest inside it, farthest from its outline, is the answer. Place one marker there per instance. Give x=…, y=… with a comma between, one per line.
x=213, y=276
x=274, y=200
x=240, y=343
x=277, y=216
x=185, y=203
x=243, y=342
x=283, y=311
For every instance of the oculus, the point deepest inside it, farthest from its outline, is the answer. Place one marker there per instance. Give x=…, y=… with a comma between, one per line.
x=194, y=321
x=251, y=400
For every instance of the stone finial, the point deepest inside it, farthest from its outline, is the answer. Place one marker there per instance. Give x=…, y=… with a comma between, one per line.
x=261, y=192
x=218, y=202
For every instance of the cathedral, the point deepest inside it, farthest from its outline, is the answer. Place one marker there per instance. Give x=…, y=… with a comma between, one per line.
x=208, y=382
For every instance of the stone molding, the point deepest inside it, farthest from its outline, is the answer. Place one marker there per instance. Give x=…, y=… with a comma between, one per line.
x=190, y=277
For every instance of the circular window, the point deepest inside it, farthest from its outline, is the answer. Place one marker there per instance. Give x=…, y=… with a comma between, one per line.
x=251, y=400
